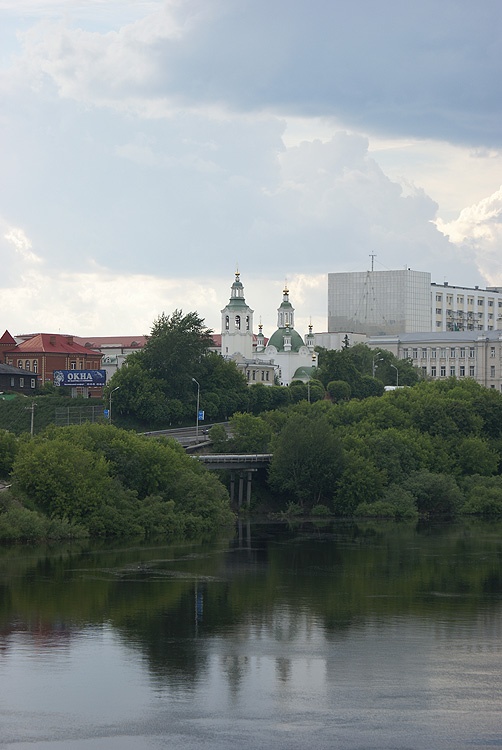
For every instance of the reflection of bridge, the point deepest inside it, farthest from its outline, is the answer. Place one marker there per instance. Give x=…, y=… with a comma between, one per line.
x=242, y=464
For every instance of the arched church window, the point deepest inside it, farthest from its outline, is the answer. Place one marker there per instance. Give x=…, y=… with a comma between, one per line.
x=238, y=322
x=247, y=322
x=227, y=323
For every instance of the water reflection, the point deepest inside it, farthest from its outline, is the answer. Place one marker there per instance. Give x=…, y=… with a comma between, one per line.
x=367, y=635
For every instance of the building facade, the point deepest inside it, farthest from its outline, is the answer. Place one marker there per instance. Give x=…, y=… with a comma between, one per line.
x=456, y=308
x=43, y=353
x=379, y=302
x=394, y=302
x=460, y=354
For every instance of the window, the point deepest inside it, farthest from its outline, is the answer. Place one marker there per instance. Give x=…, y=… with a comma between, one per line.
x=32, y=382
x=433, y=354
x=449, y=299
x=266, y=375
x=438, y=297
x=452, y=352
x=472, y=353
x=248, y=374
x=227, y=322
x=480, y=302
x=20, y=364
x=27, y=365
x=471, y=371
x=492, y=352
x=35, y=365
x=438, y=311
x=433, y=371
x=470, y=300
x=263, y=374
x=490, y=303
x=414, y=353
x=492, y=371
x=254, y=374
x=12, y=382
x=238, y=322
x=443, y=353
x=247, y=322
x=462, y=371
x=442, y=371
x=21, y=382
x=462, y=352
x=73, y=365
x=452, y=372
x=405, y=353
x=460, y=299
x=424, y=353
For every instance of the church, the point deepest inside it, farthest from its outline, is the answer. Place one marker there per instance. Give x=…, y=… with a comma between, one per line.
x=283, y=357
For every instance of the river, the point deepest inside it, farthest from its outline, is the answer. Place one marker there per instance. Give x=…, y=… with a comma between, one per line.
x=346, y=636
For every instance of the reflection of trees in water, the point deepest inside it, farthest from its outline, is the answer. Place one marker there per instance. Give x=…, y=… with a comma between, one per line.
x=276, y=585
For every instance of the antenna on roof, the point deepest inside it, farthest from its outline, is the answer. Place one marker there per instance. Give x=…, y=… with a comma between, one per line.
x=372, y=256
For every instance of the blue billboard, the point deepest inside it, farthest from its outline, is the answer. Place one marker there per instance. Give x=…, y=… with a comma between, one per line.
x=80, y=377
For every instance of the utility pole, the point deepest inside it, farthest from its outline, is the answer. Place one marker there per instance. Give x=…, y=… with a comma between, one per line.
x=32, y=420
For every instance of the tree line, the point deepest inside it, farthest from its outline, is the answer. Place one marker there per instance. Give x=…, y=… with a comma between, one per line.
x=431, y=450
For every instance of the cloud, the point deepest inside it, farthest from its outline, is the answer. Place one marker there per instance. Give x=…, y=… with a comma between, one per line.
x=429, y=69
x=478, y=230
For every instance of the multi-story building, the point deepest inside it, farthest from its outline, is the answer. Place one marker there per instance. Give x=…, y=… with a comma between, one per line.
x=379, y=302
x=42, y=353
x=456, y=308
x=392, y=302
x=460, y=354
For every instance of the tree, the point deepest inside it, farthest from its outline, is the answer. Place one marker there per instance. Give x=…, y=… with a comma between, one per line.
x=307, y=459
x=338, y=390
x=250, y=434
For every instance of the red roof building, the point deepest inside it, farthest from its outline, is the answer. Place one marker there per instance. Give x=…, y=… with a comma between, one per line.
x=43, y=353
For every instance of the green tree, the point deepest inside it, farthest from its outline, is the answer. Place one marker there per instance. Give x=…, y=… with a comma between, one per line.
x=8, y=450
x=338, y=390
x=307, y=460
x=250, y=434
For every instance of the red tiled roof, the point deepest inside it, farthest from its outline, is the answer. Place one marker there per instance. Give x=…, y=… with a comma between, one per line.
x=53, y=342
x=127, y=342
x=7, y=339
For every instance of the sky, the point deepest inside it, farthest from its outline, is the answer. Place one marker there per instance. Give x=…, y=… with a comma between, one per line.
x=149, y=149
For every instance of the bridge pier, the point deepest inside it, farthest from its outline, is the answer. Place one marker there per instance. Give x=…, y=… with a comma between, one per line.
x=246, y=476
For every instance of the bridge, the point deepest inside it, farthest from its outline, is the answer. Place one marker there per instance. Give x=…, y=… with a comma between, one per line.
x=241, y=464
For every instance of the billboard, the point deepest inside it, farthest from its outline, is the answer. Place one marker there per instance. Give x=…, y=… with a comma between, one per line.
x=80, y=377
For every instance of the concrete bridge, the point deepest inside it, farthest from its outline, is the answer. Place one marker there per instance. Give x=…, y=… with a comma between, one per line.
x=241, y=467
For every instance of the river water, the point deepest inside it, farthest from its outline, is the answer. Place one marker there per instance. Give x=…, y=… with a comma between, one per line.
x=340, y=636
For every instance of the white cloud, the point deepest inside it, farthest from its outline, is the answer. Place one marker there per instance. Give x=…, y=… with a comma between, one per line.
x=478, y=229
x=22, y=245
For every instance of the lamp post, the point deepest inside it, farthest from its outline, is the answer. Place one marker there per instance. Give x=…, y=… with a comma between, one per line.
x=374, y=364
x=397, y=375
x=110, y=409
x=197, y=418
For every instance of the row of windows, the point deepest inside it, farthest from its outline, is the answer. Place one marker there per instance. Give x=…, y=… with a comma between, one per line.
x=251, y=374
x=27, y=364
x=452, y=352
x=470, y=300
x=237, y=322
x=452, y=371
x=21, y=382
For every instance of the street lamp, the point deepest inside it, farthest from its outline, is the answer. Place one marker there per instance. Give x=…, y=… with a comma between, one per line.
x=397, y=375
x=374, y=364
x=197, y=418
x=110, y=409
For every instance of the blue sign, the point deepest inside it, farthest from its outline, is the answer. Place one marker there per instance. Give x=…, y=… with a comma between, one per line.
x=106, y=413
x=201, y=415
x=80, y=377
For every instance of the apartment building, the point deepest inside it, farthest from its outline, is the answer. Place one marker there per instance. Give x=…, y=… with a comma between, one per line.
x=457, y=308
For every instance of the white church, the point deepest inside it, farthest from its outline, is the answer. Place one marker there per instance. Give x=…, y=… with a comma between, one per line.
x=284, y=357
